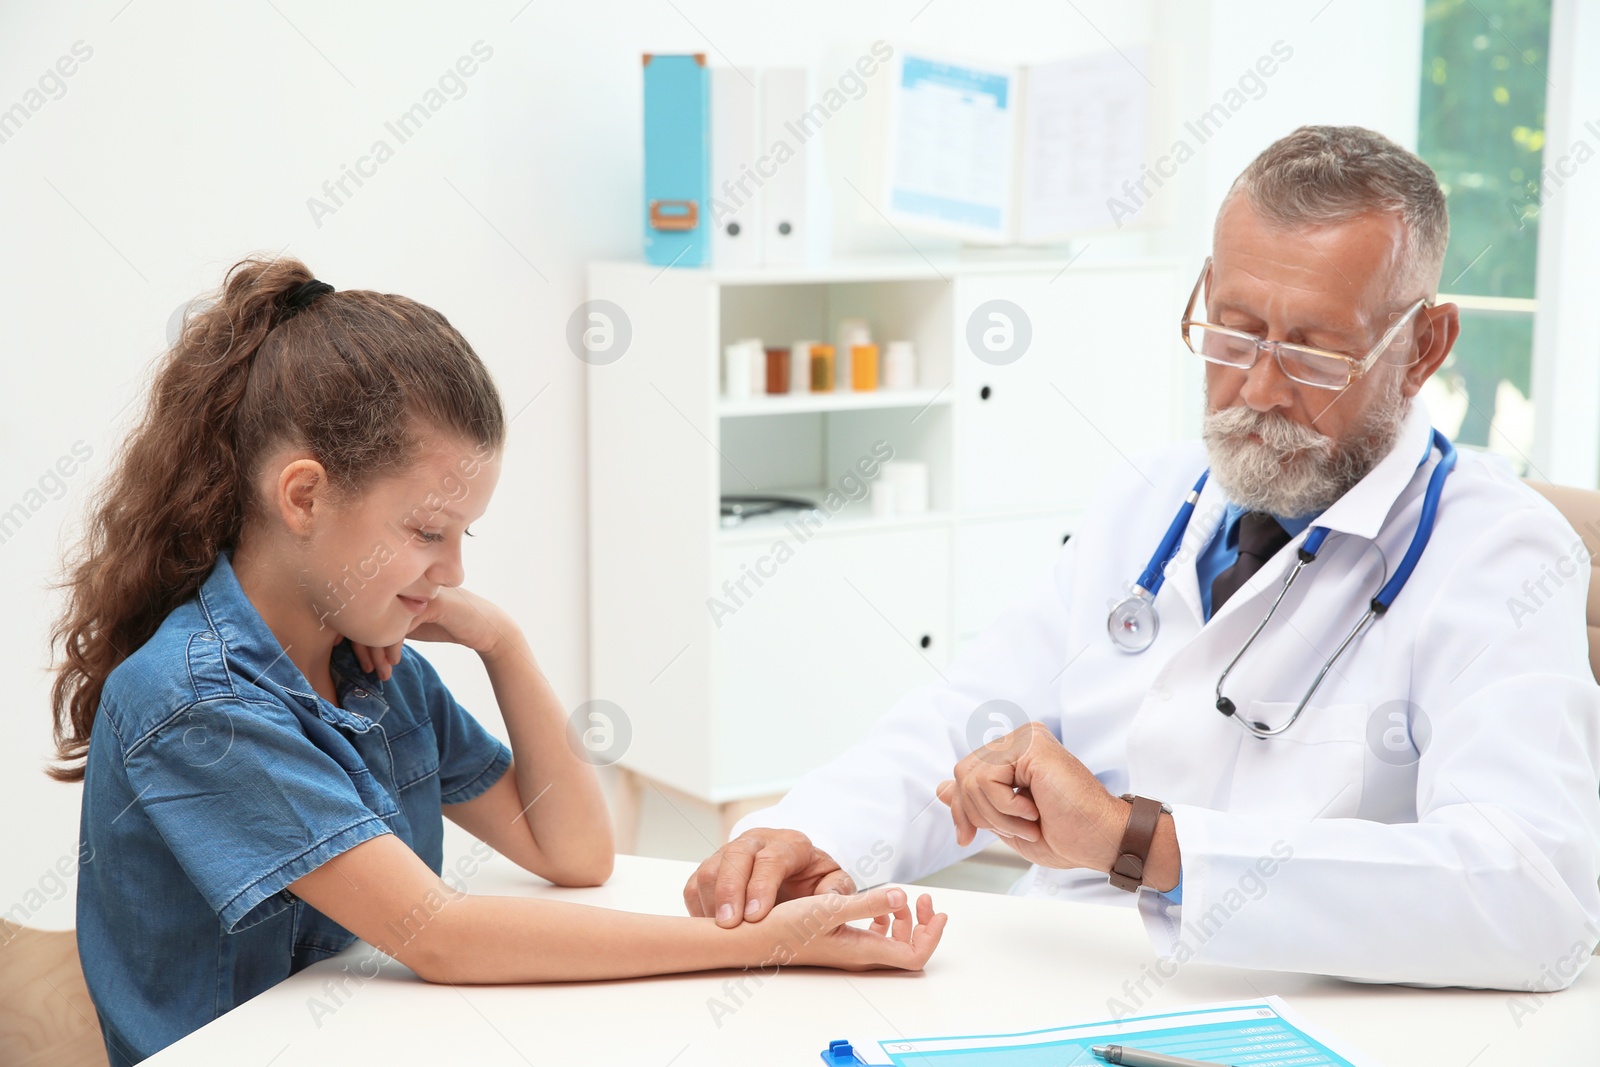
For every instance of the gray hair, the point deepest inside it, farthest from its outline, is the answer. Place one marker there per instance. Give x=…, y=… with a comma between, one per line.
x=1319, y=175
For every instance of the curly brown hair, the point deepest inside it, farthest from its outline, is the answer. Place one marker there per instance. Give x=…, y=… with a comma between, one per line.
x=357, y=378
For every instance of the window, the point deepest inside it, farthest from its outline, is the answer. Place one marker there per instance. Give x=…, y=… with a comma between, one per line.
x=1481, y=127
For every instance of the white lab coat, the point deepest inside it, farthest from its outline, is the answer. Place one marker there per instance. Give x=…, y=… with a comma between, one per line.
x=1334, y=848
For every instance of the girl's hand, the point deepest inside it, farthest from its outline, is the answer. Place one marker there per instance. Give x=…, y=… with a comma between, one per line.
x=453, y=615
x=815, y=931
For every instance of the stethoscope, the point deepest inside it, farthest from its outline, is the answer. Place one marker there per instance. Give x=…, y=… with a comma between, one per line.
x=1133, y=622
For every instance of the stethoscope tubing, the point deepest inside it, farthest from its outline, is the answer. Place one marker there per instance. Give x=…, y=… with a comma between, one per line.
x=1154, y=576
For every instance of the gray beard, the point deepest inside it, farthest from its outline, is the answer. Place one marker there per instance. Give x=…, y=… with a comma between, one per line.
x=1294, y=470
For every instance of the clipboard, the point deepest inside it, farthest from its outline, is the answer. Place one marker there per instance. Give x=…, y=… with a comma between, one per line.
x=841, y=1054
x=1263, y=1033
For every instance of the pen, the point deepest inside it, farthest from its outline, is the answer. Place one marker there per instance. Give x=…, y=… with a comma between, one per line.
x=1138, y=1057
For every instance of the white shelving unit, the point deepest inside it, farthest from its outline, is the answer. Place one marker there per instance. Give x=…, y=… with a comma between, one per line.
x=794, y=403
x=745, y=656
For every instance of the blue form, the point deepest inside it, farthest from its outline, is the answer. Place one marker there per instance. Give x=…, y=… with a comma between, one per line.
x=1264, y=1040
x=917, y=73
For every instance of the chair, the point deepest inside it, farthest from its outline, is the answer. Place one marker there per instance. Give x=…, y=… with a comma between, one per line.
x=46, y=1016
x=1581, y=507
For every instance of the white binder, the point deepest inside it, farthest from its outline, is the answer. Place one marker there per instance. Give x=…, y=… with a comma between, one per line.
x=736, y=185
x=794, y=212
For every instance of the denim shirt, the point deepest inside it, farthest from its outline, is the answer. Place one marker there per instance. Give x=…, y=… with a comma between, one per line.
x=215, y=777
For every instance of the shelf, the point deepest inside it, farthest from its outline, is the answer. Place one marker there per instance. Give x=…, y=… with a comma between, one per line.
x=852, y=270
x=794, y=403
x=845, y=521
x=855, y=516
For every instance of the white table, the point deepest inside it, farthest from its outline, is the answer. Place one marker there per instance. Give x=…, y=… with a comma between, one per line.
x=1006, y=964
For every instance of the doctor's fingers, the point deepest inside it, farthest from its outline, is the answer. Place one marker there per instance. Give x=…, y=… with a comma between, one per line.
x=752, y=868
x=721, y=883
x=700, y=892
x=693, y=902
x=995, y=806
x=974, y=808
x=774, y=865
x=965, y=830
x=998, y=785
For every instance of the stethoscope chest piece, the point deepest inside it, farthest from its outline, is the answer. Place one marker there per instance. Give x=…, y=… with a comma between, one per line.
x=1133, y=623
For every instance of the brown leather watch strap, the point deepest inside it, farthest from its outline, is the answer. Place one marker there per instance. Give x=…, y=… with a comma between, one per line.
x=1128, y=872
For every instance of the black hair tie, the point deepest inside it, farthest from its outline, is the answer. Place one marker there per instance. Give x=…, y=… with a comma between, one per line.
x=305, y=294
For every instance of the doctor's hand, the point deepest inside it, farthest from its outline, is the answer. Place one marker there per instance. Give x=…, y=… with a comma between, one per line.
x=1039, y=799
x=743, y=879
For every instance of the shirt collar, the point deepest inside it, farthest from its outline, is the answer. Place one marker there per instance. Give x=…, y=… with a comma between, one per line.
x=253, y=650
x=1230, y=524
x=1363, y=509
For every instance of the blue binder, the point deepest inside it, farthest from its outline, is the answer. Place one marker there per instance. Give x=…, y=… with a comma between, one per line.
x=677, y=160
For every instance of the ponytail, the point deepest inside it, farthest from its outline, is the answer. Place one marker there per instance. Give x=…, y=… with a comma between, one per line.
x=347, y=378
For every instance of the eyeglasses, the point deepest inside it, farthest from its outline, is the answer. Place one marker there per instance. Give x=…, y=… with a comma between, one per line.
x=1301, y=363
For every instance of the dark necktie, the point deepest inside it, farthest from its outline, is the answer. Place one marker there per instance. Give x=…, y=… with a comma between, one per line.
x=1260, y=537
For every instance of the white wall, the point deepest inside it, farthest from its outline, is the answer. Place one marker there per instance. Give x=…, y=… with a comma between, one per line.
x=195, y=133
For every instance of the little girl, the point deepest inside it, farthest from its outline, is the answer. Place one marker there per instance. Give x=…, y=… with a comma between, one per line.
x=265, y=761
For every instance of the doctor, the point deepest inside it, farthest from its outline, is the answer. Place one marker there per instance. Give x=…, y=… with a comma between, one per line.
x=1424, y=810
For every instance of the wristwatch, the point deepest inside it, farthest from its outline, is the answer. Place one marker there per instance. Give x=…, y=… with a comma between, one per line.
x=1128, y=872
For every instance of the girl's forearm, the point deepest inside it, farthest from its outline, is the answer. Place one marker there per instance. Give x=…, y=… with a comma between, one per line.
x=486, y=940
x=565, y=809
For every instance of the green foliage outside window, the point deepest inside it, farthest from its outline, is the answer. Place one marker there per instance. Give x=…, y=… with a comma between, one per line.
x=1481, y=128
